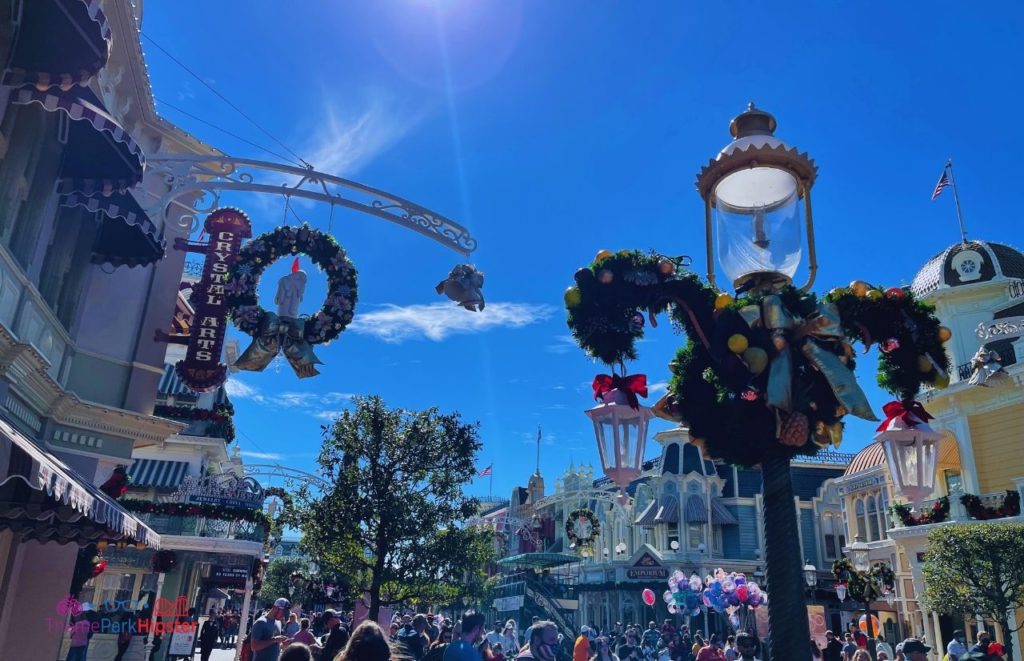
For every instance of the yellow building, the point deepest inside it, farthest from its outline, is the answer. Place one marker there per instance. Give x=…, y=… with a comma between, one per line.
x=977, y=288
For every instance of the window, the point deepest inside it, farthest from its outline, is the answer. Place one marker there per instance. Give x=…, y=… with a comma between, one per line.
x=873, y=532
x=954, y=482
x=862, y=521
x=67, y=264
x=694, y=535
x=716, y=540
x=671, y=462
x=113, y=588
x=828, y=529
x=885, y=514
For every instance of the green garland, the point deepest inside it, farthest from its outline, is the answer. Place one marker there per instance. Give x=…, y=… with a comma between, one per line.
x=595, y=527
x=223, y=423
x=720, y=392
x=937, y=513
x=857, y=583
x=323, y=250
x=219, y=512
x=978, y=510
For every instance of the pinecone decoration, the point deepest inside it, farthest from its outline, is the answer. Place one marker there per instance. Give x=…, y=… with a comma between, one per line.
x=796, y=429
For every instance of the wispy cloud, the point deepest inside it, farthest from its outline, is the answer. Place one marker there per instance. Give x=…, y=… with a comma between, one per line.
x=437, y=321
x=321, y=405
x=261, y=455
x=239, y=389
x=657, y=387
x=563, y=344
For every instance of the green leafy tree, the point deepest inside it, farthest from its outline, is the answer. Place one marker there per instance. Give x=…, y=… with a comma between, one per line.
x=277, y=579
x=977, y=568
x=390, y=519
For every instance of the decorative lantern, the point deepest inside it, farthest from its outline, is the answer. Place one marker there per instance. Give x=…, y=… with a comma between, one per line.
x=911, y=449
x=621, y=433
x=841, y=591
x=810, y=574
x=859, y=554
x=753, y=191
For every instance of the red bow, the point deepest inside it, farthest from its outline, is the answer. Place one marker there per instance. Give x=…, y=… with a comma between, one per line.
x=630, y=385
x=911, y=414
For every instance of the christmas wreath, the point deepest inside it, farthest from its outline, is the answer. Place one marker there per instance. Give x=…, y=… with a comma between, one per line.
x=857, y=584
x=292, y=335
x=937, y=513
x=164, y=561
x=764, y=374
x=277, y=525
x=570, y=529
x=978, y=510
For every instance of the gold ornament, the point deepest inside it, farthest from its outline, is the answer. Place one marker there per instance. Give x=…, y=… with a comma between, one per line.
x=944, y=334
x=924, y=364
x=666, y=267
x=572, y=297
x=605, y=277
x=738, y=343
x=941, y=379
x=756, y=359
x=723, y=301
x=603, y=254
x=838, y=291
x=859, y=288
x=874, y=295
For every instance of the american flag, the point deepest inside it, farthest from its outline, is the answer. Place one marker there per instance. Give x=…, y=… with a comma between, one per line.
x=485, y=472
x=943, y=182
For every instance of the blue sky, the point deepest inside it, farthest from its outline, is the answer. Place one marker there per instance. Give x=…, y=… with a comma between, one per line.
x=555, y=129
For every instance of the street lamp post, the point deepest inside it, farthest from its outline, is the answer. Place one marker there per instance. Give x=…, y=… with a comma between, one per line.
x=874, y=588
x=752, y=191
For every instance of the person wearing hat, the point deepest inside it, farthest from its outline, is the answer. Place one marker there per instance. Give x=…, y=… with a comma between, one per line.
x=581, y=650
x=266, y=636
x=337, y=635
x=914, y=650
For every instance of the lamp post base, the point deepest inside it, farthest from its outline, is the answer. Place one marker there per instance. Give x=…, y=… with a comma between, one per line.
x=787, y=611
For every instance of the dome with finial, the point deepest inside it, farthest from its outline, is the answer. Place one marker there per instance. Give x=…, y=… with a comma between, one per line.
x=968, y=263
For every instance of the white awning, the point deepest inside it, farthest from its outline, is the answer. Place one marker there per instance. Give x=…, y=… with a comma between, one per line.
x=23, y=461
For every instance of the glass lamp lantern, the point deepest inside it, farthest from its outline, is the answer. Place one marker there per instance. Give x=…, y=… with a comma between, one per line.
x=810, y=574
x=911, y=452
x=841, y=592
x=755, y=192
x=859, y=554
x=621, y=433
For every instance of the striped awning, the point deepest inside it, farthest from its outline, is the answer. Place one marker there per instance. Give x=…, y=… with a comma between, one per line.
x=668, y=513
x=125, y=235
x=646, y=518
x=100, y=156
x=696, y=509
x=721, y=515
x=159, y=473
x=171, y=384
x=42, y=498
x=58, y=43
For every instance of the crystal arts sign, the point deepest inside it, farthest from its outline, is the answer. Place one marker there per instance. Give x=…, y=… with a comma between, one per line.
x=202, y=370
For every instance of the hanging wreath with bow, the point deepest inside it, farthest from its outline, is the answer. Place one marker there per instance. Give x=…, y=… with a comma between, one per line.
x=577, y=522
x=880, y=577
x=291, y=335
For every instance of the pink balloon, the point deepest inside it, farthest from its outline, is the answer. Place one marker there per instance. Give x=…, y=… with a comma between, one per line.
x=648, y=595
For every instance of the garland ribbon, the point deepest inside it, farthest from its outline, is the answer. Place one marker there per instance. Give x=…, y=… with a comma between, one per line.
x=280, y=334
x=912, y=414
x=631, y=386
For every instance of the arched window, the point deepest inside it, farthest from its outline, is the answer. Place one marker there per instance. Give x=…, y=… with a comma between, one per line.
x=670, y=464
x=829, y=532
x=884, y=514
x=873, y=532
x=862, y=520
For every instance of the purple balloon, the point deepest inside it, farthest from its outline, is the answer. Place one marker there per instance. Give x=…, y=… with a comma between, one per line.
x=739, y=580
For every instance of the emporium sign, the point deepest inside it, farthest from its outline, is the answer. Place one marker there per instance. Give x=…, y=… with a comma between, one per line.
x=646, y=568
x=223, y=490
x=201, y=370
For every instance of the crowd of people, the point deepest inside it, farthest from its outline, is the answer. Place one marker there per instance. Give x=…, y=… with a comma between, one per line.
x=854, y=647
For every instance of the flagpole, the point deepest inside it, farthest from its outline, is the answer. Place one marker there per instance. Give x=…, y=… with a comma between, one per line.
x=956, y=198
x=490, y=486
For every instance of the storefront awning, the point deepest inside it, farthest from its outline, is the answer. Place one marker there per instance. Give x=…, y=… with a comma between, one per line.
x=126, y=235
x=58, y=43
x=99, y=156
x=41, y=498
x=696, y=509
x=668, y=513
x=721, y=515
x=646, y=518
x=159, y=473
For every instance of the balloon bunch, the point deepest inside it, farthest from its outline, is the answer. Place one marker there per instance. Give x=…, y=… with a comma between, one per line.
x=729, y=591
x=683, y=595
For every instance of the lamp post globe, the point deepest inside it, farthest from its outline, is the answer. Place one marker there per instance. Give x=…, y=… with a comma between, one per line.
x=755, y=192
x=810, y=574
x=859, y=555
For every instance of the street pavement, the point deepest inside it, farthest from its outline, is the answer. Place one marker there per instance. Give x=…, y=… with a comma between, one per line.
x=219, y=655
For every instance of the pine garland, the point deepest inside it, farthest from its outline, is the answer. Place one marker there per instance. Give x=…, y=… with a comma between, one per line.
x=978, y=510
x=937, y=513
x=219, y=512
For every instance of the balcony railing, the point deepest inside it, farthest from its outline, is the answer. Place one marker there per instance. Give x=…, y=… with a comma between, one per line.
x=189, y=526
